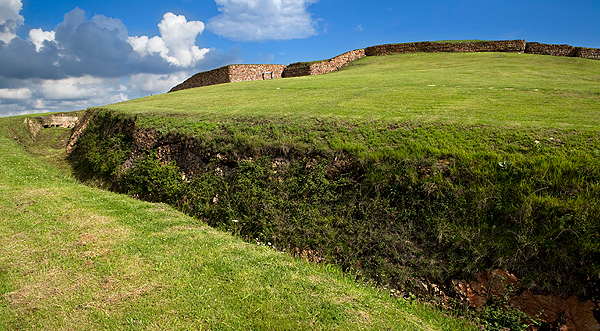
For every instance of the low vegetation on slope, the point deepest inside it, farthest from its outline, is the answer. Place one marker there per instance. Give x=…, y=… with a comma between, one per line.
x=405, y=167
x=78, y=258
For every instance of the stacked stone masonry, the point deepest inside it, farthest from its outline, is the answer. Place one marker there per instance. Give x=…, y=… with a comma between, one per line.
x=244, y=72
x=323, y=67
x=232, y=73
x=563, y=50
x=510, y=46
x=249, y=72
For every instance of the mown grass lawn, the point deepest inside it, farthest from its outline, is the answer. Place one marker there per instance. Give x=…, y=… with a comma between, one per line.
x=78, y=258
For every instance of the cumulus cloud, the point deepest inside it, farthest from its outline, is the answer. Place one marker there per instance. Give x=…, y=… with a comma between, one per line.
x=153, y=83
x=73, y=88
x=39, y=36
x=176, y=43
x=89, y=62
x=260, y=20
x=10, y=19
x=15, y=93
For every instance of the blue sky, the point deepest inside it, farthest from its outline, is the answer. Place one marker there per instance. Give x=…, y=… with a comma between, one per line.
x=73, y=54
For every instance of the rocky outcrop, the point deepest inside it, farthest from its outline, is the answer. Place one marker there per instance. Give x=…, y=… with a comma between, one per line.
x=78, y=129
x=186, y=152
x=59, y=121
x=34, y=127
x=556, y=312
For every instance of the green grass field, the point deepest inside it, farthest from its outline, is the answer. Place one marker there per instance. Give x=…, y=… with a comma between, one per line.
x=498, y=89
x=78, y=258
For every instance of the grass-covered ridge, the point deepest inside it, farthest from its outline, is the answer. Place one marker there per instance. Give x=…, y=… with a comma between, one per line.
x=466, y=88
x=78, y=258
x=397, y=167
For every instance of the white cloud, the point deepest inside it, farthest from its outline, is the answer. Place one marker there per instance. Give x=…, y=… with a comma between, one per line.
x=260, y=20
x=10, y=19
x=176, y=43
x=85, y=62
x=39, y=36
x=73, y=88
x=146, y=46
x=152, y=83
x=15, y=93
x=111, y=24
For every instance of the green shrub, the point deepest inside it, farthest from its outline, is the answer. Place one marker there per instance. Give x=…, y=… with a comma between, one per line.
x=149, y=179
x=103, y=148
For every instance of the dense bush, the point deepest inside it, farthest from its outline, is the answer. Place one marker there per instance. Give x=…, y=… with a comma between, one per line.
x=103, y=148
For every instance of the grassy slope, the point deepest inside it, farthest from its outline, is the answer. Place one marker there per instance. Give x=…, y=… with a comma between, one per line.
x=73, y=257
x=498, y=151
x=499, y=89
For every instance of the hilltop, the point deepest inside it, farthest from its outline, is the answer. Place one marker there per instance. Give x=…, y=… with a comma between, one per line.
x=251, y=72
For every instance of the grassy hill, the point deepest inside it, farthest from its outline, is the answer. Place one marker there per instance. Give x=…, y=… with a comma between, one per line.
x=79, y=258
x=399, y=169
x=415, y=165
x=499, y=89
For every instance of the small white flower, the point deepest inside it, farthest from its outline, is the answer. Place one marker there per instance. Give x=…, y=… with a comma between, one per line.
x=234, y=221
x=537, y=142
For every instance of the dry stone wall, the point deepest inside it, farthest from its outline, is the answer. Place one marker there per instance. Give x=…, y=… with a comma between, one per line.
x=232, y=73
x=511, y=46
x=589, y=53
x=323, y=67
x=250, y=72
x=212, y=77
x=563, y=50
x=548, y=49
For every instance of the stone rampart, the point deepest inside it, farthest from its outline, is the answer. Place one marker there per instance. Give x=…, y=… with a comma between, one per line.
x=588, y=53
x=323, y=67
x=511, y=46
x=550, y=49
x=232, y=73
x=563, y=50
x=296, y=70
x=250, y=72
x=212, y=77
